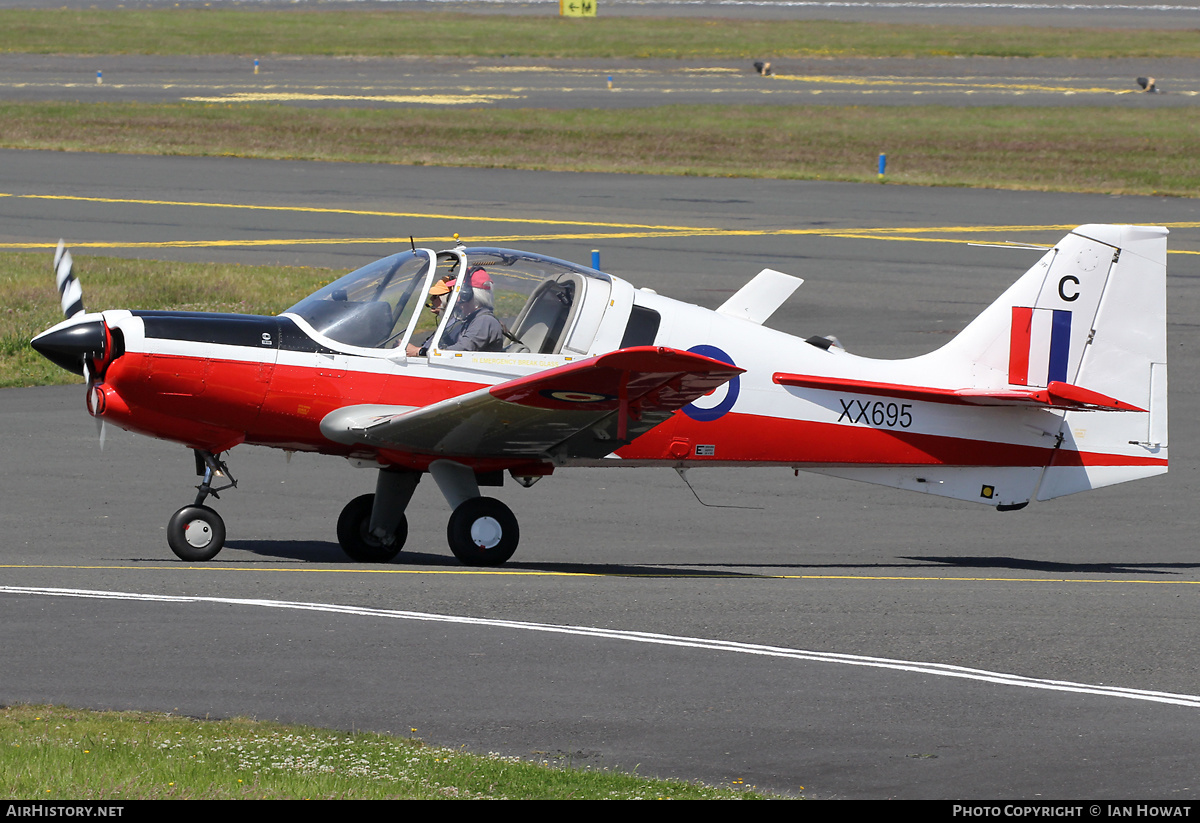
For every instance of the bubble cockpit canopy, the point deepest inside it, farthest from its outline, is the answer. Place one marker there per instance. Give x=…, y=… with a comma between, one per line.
x=545, y=305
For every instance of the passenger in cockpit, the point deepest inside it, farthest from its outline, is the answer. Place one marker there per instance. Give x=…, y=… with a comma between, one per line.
x=474, y=326
x=437, y=302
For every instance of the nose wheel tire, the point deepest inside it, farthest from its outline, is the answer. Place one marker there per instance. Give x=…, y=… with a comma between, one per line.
x=356, y=539
x=483, y=532
x=196, y=533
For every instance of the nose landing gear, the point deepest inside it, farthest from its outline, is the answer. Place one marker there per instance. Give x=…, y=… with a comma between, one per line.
x=196, y=533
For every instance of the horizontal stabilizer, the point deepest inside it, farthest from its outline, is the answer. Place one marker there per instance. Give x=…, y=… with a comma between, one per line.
x=1057, y=395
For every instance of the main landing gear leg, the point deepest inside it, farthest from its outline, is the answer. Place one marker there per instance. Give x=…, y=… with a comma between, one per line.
x=372, y=528
x=196, y=533
x=482, y=531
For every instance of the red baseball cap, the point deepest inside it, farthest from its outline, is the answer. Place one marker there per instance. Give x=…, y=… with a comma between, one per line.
x=480, y=279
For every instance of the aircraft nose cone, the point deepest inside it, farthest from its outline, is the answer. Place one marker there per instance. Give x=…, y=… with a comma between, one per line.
x=68, y=343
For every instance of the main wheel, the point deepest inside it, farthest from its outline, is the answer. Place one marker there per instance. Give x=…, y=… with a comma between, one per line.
x=483, y=532
x=196, y=533
x=356, y=539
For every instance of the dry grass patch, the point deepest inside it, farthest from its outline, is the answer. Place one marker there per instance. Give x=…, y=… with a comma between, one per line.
x=1108, y=150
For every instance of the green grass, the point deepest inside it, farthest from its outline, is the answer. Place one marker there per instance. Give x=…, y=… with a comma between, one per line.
x=1108, y=150
x=30, y=301
x=56, y=753
x=393, y=33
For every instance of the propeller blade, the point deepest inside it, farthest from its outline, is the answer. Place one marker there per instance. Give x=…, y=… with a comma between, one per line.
x=90, y=385
x=69, y=290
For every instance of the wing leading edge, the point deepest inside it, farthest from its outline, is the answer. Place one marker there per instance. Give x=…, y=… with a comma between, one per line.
x=584, y=409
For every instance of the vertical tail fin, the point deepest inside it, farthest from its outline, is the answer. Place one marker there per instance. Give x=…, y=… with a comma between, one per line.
x=1057, y=387
x=1123, y=355
x=1092, y=314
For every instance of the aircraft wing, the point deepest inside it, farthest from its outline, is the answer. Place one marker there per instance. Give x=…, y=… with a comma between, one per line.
x=1057, y=395
x=584, y=409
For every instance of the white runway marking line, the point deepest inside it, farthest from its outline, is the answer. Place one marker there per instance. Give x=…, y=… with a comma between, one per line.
x=939, y=669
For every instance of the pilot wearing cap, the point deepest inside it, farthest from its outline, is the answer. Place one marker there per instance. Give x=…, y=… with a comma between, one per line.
x=474, y=327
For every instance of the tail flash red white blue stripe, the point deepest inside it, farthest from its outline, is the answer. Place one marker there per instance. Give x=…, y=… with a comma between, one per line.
x=1039, y=346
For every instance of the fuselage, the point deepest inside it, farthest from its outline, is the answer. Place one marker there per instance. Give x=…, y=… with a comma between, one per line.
x=213, y=381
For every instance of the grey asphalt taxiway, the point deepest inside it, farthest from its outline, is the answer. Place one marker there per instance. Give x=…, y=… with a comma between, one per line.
x=824, y=638
x=514, y=82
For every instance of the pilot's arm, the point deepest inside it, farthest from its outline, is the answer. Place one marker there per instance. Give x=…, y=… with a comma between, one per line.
x=413, y=350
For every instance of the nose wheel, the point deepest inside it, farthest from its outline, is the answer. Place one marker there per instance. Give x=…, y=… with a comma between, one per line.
x=482, y=532
x=196, y=533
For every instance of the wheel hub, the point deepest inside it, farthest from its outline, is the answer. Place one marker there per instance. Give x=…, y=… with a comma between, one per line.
x=198, y=533
x=486, y=532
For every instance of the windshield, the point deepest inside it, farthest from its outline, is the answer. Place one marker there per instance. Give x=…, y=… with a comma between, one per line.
x=372, y=306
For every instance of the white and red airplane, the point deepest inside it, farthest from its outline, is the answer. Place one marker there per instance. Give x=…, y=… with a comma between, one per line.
x=1058, y=387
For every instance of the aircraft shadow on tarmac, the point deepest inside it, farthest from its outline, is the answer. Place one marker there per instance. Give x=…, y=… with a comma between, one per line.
x=933, y=562
x=324, y=552
x=312, y=551
x=1058, y=568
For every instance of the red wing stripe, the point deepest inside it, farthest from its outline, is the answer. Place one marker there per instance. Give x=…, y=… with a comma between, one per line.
x=1057, y=396
x=844, y=384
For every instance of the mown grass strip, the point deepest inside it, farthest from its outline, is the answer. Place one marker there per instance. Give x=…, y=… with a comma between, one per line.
x=30, y=300
x=1108, y=150
x=392, y=33
x=55, y=753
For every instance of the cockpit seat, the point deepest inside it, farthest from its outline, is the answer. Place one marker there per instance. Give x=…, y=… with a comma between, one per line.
x=539, y=326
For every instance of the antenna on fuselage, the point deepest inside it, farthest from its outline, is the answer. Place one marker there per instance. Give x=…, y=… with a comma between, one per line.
x=682, y=472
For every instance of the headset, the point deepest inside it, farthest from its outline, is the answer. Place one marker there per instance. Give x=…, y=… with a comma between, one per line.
x=466, y=292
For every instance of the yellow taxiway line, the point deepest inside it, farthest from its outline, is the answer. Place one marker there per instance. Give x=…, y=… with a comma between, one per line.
x=598, y=230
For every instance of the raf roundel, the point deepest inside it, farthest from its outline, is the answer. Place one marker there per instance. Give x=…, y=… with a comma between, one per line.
x=706, y=413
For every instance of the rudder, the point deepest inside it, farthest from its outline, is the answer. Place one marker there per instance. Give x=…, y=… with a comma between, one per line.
x=1121, y=353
